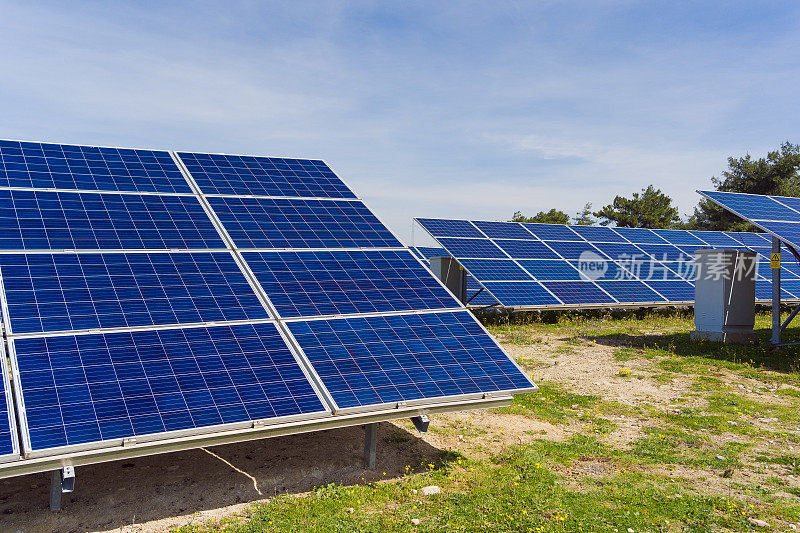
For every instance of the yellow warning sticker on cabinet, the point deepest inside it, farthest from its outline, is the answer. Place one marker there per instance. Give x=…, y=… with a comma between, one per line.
x=775, y=260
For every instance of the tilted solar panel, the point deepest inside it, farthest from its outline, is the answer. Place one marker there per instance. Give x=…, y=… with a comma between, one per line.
x=503, y=230
x=521, y=293
x=551, y=232
x=640, y=235
x=578, y=292
x=46, y=220
x=597, y=233
x=345, y=282
x=475, y=248
x=106, y=387
x=375, y=360
x=476, y=295
x=495, y=269
x=64, y=166
x=60, y=292
x=295, y=223
x=9, y=444
x=450, y=228
x=264, y=176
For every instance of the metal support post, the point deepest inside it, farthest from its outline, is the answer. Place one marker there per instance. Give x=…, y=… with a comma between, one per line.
x=61, y=481
x=370, y=444
x=421, y=422
x=776, y=294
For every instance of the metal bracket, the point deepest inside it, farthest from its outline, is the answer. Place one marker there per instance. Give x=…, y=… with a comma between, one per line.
x=421, y=422
x=61, y=481
x=791, y=317
x=370, y=444
x=474, y=295
x=128, y=441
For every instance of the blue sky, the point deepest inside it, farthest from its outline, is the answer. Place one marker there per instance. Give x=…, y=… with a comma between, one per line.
x=467, y=109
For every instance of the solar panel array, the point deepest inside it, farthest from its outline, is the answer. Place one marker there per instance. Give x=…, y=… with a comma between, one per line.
x=528, y=265
x=148, y=295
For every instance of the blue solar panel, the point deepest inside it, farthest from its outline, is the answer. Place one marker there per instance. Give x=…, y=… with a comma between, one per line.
x=620, y=251
x=629, y=291
x=65, y=220
x=674, y=291
x=526, y=249
x=751, y=239
x=789, y=201
x=342, y=282
x=666, y=270
x=520, y=293
x=594, y=270
x=764, y=291
x=477, y=248
x=664, y=252
x=449, y=228
x=426, y=252
x=503, y=230
x=478, y=296
x=597, y=233
x=572, y=250
x=8, y=435
x=554, y=232
x=791, y=286
x=678, y=237
x=388, y=359
x=640, y=235
x=63, y=166
x=717, y=239
x=787, y=231
x=753, y=206
x=58, y=292
x=495, y=269
x=265, y=176
x=578, y=292
x=291, y=223
x=546, y=269
x=116, y=385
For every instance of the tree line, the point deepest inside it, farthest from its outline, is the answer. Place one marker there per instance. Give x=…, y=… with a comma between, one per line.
x=776, y=174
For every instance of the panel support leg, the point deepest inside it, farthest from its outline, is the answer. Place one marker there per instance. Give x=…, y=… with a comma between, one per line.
x=370, y=444
x=421, y=422
x=61, y=481
x=776, y=297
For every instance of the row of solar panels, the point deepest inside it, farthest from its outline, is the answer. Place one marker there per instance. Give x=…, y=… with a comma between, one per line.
x=525, y=265
x=148, y=295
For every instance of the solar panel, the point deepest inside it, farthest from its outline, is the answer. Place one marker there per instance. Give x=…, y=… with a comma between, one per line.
x=367, y=361
x=265, y=176
x=46, y=220
x=526, y=249
x=547, y=269
x=640, y=235
x=477, y=248
x=597, y=233
x=495, y=269
x=674, y=291
x=554, y=232
x=503, y=230
x=110, y=386
x=450, y=228
x=9, y=446
x=572, y=250
x=295, y=223
x=629, y=291
x=64, y=166
x=717, y=239
x=678, y=237
x=521, y=293
x=578, y=292
x=476, y=295
x=664, y=252
x=345, y=282
x=59, y=292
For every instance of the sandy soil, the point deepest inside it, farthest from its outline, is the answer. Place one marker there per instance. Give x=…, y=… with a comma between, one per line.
x=160, y=492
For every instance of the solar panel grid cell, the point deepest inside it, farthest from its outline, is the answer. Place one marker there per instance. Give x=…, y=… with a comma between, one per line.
x=640, y=235
x=552, y=232
x=520, y=293
x=93, y=388
x=56, y=166
x=267, y=176
x=472, y=248
x=578, y=292
x=450, y=228
x=503, y=230
x=573, y=250
x=295, y=223
x=387, y=359
x=630, y=291
x=597, y=233
x=59, y=292
x=495, y=269
x=44, y=220
x=519, y=249
x=344, y=282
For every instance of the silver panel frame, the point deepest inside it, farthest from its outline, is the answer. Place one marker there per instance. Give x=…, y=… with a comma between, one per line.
x=10, y=407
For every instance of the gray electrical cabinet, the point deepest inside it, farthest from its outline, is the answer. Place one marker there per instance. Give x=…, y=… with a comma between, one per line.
x=725, y=295
x=452, y=275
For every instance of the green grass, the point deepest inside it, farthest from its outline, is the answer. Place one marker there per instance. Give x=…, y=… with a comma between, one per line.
x=550, y=403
